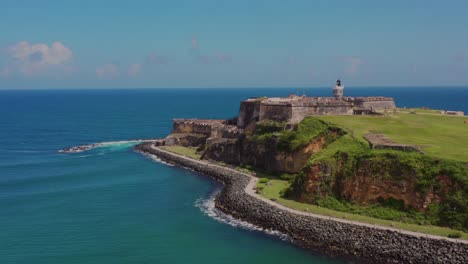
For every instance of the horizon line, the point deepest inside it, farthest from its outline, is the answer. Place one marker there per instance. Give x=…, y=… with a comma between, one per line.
x=232, y=87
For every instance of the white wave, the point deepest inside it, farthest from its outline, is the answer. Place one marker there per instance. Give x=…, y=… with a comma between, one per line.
x=86, y=147
x=207, y=206
x=155, y=158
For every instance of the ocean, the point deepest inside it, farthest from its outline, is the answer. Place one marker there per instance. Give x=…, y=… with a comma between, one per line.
x=112, y=205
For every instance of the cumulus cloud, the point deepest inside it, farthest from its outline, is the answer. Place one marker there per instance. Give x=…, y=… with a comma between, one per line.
x=207, y=58
x=134, y=69
x=216, y=58
x=107, y=71
x=194, y=43
x=222, y=58
x=30, y=59
x=352, y=65
x=154, y=58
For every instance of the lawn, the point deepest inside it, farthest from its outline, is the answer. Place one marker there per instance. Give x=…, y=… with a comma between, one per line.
x=185, y=151
x=439, y=136
x=273, y=188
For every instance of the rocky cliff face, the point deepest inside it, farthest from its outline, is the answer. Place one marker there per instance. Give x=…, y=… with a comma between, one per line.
x=366, y=186
x=265, y=154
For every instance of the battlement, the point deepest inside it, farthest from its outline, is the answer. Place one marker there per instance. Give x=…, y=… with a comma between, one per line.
x=207, y=127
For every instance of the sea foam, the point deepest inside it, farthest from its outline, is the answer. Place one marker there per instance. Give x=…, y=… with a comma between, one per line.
x=207, y=206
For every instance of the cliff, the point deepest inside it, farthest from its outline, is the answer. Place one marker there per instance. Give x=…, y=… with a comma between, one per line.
x=331, y=168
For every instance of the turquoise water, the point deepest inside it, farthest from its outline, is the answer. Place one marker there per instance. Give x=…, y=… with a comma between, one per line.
x=112, y=205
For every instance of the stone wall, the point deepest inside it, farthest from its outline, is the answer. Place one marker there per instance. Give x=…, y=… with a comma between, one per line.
x=374, y=102
x=248, y=112
x=195, y=126
x=295, y=108
x=277, y=112
x=327, y=236
x=300, y=112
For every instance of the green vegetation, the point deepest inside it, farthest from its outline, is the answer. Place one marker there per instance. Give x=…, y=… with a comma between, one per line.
x=265, y=175
x=305, y=131
x=455, y=235
x=418, y=111
x=263, y=180
x=439, y=136
x=295, y=138
x=442, y=172
x=350, y=153
x=185, y=151
x=274, y=189
x=346, y=156
x=269, y=127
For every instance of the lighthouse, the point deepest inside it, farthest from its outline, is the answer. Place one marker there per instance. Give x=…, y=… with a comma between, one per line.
x=338, y=90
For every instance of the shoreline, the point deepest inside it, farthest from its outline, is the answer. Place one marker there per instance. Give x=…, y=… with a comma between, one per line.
x=330, y=236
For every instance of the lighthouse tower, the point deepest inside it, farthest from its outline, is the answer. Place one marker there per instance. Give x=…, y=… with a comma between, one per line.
x=338, y=90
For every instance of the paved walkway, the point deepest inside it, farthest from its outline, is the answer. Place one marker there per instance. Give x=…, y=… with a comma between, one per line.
x=250, y=190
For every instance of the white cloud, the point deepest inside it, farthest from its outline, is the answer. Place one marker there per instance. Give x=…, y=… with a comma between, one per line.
x=154, y=58
x=195, y=44
x=30, y=59
x=107, y=71
x=134, y=69
x=352, y=65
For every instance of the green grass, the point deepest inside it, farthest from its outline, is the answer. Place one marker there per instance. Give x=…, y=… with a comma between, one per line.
x=274, y=188
x=185, y=151
x=419, y=111
x=290, y=140
x=439, y=136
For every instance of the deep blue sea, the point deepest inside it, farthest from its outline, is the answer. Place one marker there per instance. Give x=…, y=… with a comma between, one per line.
x=112, y=205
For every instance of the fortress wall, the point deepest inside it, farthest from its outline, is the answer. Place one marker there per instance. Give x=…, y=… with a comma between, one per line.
x=377, y=104
x=191, y=127
x=300, y=112
x=279, y=112
x=225, y=131
x=249, y=110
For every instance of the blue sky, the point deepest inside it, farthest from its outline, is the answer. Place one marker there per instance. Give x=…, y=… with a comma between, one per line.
x=126, y=44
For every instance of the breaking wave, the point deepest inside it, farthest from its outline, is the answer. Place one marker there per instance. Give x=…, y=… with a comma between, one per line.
x=207, y=206
x=156, y=159
x=86, y=147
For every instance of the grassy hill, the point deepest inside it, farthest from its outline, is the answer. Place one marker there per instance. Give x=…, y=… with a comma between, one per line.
x=439, y=136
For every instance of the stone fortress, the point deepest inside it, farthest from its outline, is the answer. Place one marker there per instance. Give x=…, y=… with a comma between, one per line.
x=290, y=110
x=293, y=109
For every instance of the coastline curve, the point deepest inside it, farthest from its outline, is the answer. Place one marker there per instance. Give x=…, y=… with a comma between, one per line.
x=330, y=236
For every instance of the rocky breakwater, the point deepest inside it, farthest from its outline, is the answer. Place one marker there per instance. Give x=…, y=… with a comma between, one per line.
x=331, y=237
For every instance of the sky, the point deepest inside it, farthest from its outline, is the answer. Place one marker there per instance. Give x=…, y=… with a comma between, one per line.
x=244, y=43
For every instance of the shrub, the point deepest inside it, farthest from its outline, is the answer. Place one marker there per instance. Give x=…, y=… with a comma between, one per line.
x=263, y=180
x=287, y=176
x=306, y=130
x=454, y=235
